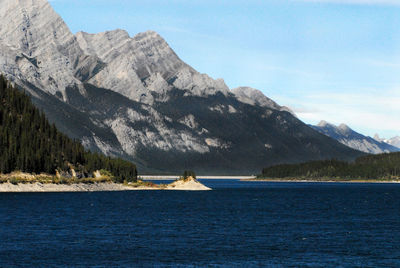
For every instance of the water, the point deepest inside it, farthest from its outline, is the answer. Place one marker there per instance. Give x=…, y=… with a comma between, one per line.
x=239, y=224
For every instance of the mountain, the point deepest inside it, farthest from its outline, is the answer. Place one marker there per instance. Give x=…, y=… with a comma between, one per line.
x=29, y=143
x=133, y=97
x=38, y=47
x=349, y=137
x=395, y=141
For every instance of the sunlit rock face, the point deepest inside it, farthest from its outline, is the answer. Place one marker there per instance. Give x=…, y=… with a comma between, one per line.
x=134, y=97
x=256, y=97
x=45, y=52
x=143, y=66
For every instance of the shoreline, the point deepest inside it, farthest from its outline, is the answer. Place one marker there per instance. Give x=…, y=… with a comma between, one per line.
x=174, y=177
x=59, y=188
x=37, y=187
x=319, y=181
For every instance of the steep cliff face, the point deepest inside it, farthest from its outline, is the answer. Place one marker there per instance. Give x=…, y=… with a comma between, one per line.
x=46, y=52
x=349, y=137
x=133, y=97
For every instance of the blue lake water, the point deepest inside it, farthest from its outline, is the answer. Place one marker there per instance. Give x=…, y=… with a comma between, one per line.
x=239, y=224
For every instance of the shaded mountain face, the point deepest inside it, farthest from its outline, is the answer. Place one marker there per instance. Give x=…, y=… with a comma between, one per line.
x=349, y=137
x=133, y=97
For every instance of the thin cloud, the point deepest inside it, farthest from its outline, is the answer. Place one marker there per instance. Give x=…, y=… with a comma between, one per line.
x=366, y=112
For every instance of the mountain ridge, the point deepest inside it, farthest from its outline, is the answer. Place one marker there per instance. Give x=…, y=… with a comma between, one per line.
x=395, y=141
x=38, y=33
x=133, y=97
x=345, y=135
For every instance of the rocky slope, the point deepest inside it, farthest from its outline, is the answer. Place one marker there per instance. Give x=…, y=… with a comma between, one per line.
x=133, y=97
x=349, y=137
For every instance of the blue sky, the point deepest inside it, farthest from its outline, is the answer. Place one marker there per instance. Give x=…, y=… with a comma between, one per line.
x=333, y=60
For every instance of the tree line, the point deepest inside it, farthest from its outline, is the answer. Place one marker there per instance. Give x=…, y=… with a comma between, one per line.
x=29, y=143
x=379, y=167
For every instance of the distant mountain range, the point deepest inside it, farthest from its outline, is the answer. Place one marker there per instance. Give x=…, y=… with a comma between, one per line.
x=349, y=137
x=395, y=141
x=133, y=97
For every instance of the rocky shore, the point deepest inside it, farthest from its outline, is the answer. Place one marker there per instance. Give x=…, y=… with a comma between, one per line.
x=189, y=184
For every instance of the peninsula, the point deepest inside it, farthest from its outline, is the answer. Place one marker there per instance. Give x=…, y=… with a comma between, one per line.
x=19, y=182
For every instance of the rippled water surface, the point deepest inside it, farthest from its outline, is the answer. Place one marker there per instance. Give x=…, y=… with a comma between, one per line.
x=239, y=224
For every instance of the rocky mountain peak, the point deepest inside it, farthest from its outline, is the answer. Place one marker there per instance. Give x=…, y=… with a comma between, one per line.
x=149, y=35
x=254, y=97
x=344, y=128
x=323, y=123
x=147, y=52
x=30, y=24
x=102, y=44
x=142, y=65
x=376, y=137
x=395, y=141
x=345, y=135
x=39, y=35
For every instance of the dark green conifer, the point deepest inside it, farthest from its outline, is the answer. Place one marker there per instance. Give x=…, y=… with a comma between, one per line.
x=29, y=143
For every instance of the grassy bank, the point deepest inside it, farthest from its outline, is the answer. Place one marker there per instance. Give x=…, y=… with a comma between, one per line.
x=24, y=178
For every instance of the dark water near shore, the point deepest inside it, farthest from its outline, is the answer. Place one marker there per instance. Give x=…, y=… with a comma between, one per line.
x=239, y=224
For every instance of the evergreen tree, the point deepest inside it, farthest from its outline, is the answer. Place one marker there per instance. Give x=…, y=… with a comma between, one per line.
x=189, y=173
x=29, y=143
x=382, y=166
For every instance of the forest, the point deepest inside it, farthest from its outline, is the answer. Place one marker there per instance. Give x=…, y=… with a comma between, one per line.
x=29, y=143
x=370, y=167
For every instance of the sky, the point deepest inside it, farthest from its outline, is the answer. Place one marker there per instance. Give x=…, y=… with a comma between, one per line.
x=332, y=60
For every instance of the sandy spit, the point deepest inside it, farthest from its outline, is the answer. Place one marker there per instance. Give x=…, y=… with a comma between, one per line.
x=189, y=185
x=95, y=187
